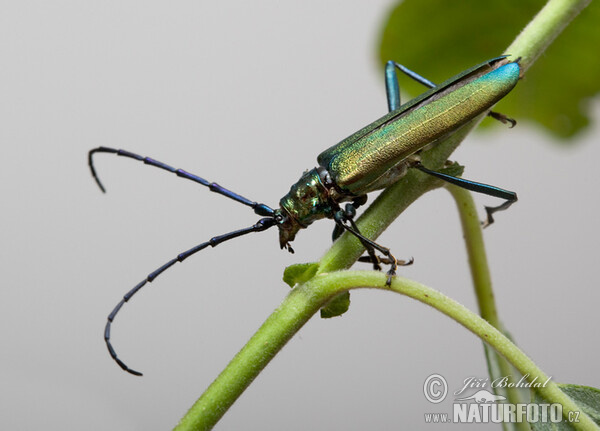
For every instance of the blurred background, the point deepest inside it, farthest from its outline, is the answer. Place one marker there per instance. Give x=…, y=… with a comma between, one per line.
x=248, y=94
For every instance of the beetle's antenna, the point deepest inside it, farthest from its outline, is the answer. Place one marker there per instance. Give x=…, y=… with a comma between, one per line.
x=262, y=224
x=259, y=208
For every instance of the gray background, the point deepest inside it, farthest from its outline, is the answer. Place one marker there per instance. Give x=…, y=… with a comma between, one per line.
x=247, y=94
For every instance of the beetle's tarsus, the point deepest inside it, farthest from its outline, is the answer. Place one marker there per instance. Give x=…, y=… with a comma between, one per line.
x=406, y=262
x=503, y=118
x=391, y=274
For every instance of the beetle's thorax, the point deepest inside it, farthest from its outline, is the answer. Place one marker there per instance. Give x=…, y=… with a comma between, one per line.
x=311, y=198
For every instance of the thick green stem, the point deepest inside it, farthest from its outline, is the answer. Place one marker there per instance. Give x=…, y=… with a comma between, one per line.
x=543, y=29
x=296, y=309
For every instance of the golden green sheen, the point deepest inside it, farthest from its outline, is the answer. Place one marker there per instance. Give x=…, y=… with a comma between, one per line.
x=359, y=163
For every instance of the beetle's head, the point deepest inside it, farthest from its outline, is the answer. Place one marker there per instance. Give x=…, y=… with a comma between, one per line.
x=288, y=227
x=307, y=201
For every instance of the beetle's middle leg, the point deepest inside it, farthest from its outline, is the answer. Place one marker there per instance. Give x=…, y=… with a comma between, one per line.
x=392, y=89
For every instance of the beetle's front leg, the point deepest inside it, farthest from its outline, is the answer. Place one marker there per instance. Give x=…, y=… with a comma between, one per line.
x=347, y=215
x=340, y=218
x=350, y=213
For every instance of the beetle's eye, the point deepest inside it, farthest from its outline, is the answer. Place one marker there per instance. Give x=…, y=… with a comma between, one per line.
x=325, y=176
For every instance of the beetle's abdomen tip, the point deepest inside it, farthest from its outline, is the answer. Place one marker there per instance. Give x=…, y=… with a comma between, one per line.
x=513, y=68
x=509, y=72
x=503, y=79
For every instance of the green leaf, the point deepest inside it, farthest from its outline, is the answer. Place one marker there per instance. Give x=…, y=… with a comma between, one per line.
x=338, y=306
x=439, y=38
x=300, y=273
x=586, y=397
x=454, y=169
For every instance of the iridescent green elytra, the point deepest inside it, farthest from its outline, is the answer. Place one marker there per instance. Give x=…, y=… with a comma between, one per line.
x=379, y=154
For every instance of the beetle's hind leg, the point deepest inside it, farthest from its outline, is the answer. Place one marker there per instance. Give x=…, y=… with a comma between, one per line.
x=502, y=118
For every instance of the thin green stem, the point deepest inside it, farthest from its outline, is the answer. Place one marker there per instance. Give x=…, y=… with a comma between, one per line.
x=482, y=282
x=473, y=236
x=305, y=300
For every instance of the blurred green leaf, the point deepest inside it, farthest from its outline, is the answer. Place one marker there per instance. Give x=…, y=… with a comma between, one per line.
x=438, y=39
x=454, y=169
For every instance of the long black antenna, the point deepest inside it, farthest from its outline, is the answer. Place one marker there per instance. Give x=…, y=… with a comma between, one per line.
x=262, y=224
x=259, y=208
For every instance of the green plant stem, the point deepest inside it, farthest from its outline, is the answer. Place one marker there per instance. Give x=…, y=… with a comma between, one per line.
x=543, y=29
x=305, y=300
x=480, y=271
x=482, y=283
x=296, y=309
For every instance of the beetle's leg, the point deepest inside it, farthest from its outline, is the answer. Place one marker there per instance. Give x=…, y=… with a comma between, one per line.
x=511, y=197
x=261, y=225
x=391, y=83
x=373, y=258
x=393, y=89
x=348, y=215
x=502, y=118
x=386, y=261
x=259, y=208
x=356, y=202
x=340, y=220
x=337, y=232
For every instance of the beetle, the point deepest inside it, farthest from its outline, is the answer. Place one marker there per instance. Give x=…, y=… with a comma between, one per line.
x=371, y=159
